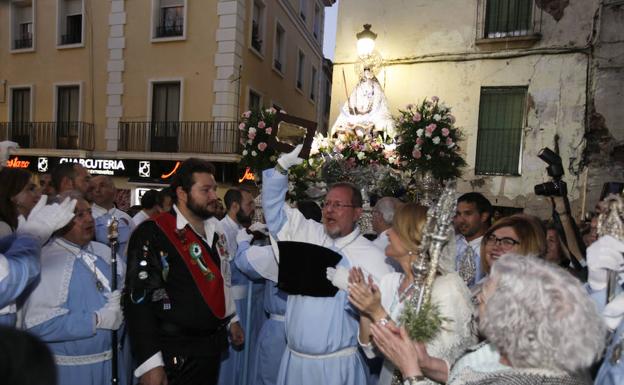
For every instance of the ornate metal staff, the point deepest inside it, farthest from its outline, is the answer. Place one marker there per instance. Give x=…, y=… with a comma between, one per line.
x=611, y=222
x=113, y=235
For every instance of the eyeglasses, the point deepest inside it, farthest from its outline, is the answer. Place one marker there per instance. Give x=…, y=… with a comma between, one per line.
x=334, y=205
x=506, y=243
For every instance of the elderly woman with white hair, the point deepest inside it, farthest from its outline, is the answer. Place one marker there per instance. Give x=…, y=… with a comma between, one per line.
x=538, y=318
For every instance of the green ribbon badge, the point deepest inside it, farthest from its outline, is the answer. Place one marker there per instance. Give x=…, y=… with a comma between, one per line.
x=196, y=255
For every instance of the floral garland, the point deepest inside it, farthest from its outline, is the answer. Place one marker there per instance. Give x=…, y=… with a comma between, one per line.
x=428, y=139
x=255, y=128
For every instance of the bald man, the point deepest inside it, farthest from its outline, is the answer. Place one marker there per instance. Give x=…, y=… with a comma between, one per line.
x=103, y=209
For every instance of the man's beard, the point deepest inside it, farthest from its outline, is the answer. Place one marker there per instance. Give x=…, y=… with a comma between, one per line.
x=202, y=213
x=244, y=219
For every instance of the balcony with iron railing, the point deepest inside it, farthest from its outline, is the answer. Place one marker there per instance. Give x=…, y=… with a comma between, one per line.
x=25, y=41
x=185, y=137
x=170, y=29
x=50, y=135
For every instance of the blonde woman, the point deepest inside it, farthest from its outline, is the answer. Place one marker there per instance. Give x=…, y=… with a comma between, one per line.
x=384, y=304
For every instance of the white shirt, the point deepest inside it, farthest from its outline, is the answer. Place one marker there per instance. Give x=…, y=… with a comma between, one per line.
x=381, y=242
x=139, y=218
x=98, y=211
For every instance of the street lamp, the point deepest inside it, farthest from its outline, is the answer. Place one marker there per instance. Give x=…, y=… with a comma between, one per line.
x=365, y=41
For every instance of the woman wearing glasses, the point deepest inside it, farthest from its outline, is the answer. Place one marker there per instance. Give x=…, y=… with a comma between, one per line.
x=518, y=234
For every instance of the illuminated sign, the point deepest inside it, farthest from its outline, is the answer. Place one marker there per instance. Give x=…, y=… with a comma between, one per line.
x=248, y=175
x=98, y=166
x=142, y=171
x=17, y=163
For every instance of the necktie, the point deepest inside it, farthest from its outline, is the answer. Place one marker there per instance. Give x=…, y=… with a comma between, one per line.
x=467, y=268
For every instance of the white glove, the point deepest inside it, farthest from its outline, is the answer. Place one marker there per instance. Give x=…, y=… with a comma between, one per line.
x=339, y=277
x=604, y=254
x=260, y=227
x=6, y=147
x=110, y=315
x=290, y=159
x=243, y=236
x=44, y=220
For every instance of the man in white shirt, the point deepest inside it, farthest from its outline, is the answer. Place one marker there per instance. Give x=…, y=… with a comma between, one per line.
x=472, y=219
x=149, y=207
x=104, y=209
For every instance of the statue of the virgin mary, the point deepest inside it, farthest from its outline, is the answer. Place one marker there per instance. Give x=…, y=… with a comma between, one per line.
x=367, y=107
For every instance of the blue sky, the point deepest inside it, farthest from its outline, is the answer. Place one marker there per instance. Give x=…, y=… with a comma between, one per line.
x=329, y=39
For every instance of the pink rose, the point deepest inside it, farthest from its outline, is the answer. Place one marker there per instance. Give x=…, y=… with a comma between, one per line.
x=247, y=114
x=416, y=154
x=429, y=130
x=419, y=141
x=268, y=130
x=451, y=118
x=262, y=146
x=261, y=124
x=241, y=126
x=449, y=142
x=435, y=99
x=416, y=117
x=251, y=135
x=445, y=131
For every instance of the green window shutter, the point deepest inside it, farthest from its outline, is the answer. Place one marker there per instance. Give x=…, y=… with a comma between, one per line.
x=504, y=18
x=499, y=137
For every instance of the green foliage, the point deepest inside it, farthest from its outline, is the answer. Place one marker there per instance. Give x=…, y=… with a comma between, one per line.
x=422, y=326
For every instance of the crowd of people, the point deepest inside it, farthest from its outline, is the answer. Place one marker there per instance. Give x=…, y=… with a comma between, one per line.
x=201, y=297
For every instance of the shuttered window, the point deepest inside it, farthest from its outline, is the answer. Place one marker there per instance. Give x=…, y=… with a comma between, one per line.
x=506, y=18
x=499, y=137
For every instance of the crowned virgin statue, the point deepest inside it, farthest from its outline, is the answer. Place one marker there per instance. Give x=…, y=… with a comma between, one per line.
x=366, y=107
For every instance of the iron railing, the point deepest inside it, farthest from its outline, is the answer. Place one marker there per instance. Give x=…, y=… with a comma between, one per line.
x=60, y=135
x=508, y=19
x=24, y=42
x=189, y=137
x=171, y=29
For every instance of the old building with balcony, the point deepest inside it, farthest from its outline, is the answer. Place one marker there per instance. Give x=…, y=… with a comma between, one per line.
x=154, y=80
x=519, y=75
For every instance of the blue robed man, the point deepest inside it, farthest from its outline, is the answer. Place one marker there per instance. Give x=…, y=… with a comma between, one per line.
x=73, y=307
x=103, y=192
x=321, y=332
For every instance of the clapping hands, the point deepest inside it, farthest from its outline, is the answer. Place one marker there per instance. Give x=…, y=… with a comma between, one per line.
x=364, y=293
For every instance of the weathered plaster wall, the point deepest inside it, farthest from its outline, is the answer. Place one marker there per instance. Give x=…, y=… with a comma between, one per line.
x=554, y=70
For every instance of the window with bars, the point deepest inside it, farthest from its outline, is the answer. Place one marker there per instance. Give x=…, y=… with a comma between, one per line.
x=300, y=70
x=499, y=136
x=313, y=84
x=507, y=18
x=257, y=25
x=280, y=48
x=255, y=100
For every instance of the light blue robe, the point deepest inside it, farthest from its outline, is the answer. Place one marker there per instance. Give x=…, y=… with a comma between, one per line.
x=272, y=337
x=321, y=333
x=19, y=266
x=125, y=227
x=233, y=361
x=612, y=370
x=61, y=310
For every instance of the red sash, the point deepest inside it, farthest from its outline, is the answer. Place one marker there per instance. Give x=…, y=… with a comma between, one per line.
x=210, y=282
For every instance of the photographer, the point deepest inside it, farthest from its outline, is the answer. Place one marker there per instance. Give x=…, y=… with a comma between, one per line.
x=564, y=223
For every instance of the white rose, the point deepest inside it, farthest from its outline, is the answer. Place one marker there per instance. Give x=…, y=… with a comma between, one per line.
x=436, y=140
x=252, y=130
x=437, y=117
x=419, y=132
x=361, y=155
x=245, y=152
x=253, y=153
